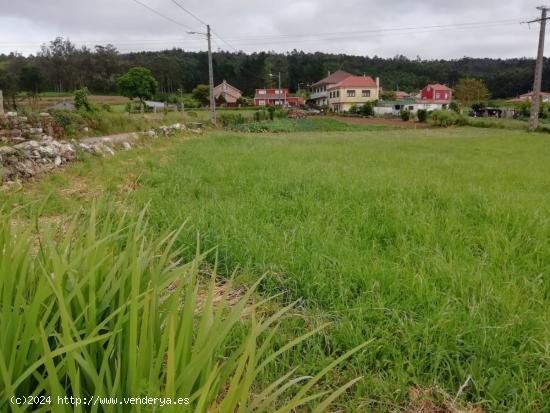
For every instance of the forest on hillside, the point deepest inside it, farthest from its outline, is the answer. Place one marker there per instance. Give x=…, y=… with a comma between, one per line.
x=61, y=66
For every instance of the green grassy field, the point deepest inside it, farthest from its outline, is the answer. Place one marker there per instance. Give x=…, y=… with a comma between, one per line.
x=431, y=245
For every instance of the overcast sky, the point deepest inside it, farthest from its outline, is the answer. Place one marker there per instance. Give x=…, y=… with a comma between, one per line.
x=476, y=28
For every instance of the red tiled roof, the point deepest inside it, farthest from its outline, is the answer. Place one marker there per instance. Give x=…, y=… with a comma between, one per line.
x=356, y=81
x=402, y=95
x=332, y=79
x=529, y=94
x=439, y=86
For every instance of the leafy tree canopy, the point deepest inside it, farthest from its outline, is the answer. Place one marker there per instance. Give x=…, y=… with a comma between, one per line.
x=137, y=83
x=202, y=94
x=471, y=90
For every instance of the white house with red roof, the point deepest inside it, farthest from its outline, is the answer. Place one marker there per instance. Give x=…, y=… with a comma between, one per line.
x=319, y=90
x=353, y=91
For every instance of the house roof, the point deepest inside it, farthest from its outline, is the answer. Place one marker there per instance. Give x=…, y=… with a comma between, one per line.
x=227, y=85
x=529, y=94
x=356, y=81
x=399, y=95
x=439, y=86
x=333, y=78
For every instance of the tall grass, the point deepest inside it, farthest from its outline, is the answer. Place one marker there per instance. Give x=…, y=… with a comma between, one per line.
x=102, y=309
x=433, y=243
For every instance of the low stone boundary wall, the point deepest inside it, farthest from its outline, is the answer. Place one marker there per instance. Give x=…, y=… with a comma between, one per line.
x=31, y=158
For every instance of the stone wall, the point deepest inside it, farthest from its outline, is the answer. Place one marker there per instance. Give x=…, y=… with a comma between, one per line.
x=16, y=129
x=33, y=157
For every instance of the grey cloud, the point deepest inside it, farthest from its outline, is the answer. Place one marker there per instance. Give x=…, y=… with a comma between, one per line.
x=25, y=24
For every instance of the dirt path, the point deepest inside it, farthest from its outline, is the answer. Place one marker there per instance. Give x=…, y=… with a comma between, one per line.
x=396, y=123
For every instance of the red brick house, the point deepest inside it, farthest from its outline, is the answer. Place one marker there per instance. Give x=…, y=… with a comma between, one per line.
x=271, y=97
x=437, y=94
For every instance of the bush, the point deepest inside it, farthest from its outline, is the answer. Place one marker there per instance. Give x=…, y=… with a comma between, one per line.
x=445, y=119
x=367, y=109
x=231, y=120
x=81, y=99
x=422, y=115
x=405, y=115
x=353, y=110
x=454, y=107
x=260, y=115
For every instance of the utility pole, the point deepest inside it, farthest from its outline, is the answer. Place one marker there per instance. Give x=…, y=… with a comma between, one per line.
x=208, y=35
x=535, y=102
x=211, y=77
x=279, y=76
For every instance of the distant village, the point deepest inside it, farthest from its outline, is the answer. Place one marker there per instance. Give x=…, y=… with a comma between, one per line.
x=341, y=92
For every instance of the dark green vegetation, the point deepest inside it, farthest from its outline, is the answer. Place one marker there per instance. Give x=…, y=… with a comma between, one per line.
x=432, y=245
x=64, y=67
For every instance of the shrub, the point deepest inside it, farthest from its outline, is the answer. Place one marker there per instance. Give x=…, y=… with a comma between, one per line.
x=367, y=109
x=280, y=113
x=260, y=115
x=422, y=115
x=454, y=107
x=81, y=99
x=445, y=119
x=405, y=115
x=271, y=112
x=231, y=120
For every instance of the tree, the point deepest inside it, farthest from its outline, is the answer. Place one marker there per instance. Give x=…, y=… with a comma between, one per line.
x=138, y=83
x=10, y=86
x=470, y=90
x=32, y=82
x=220, y=101
x=202, y=94
x=389, y=95
x=81, y=99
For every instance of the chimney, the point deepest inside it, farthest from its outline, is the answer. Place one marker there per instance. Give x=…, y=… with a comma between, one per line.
x=328, y=73
x=1, y=104
x=378, y=82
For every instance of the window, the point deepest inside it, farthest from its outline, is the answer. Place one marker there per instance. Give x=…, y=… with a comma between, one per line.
x=437, y=95
x=261, y=92
x=261, y=102
x=366, y=93
x=338, y=94
x=351, y=93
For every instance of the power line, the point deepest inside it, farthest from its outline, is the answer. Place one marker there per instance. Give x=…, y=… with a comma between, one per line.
x=290, y=38
x=161, y=15
x=197, y=18
x=225, y=41
x=449, y=26
x=190, y=13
